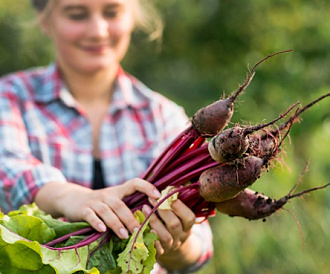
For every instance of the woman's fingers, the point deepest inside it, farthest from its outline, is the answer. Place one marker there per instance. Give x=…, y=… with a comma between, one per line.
x=185, y=214
x=172, y=226
x=100, y=215
x=89, y=216
x=107, y=208
x=165, y=237
x=140, y=185
x=159, y=248
x=185, y=217
x=171, y=231
x=124, y=214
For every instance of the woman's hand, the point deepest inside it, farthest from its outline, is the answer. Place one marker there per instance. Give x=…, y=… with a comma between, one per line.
x=173, y=227
x=177, y=247
x=101, y=208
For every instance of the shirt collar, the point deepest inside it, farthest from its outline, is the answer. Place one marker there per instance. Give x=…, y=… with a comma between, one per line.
x=49, y=86
x=128, y=91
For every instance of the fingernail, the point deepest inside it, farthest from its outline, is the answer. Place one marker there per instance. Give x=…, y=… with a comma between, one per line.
x=123, y=232
x=153, y=231
x=157, y=194
x=147, y=209
x=102, y=227
x=152, y=201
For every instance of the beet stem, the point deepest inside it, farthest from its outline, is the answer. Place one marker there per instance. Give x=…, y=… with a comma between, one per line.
x=307, y=191
x=169, y=147
x=67, y=236
x=290, y=121
x=184, y=144
x=251, y=73
x=195, y=185
x=249, y=130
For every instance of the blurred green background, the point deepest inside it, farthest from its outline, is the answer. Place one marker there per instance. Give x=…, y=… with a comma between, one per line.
x=206, y=50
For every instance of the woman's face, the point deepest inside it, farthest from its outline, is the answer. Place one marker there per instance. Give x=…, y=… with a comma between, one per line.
x=90, y=36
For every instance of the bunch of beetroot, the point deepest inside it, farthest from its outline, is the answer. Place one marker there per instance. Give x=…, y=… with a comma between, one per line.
x=211, y=167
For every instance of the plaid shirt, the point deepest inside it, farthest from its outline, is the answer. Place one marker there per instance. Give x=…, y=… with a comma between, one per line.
x=45, y=136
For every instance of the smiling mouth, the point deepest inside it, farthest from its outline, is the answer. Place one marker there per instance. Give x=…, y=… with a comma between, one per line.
x=97, y=49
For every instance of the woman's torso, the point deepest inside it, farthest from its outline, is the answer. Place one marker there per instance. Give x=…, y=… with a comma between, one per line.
x=138, y=124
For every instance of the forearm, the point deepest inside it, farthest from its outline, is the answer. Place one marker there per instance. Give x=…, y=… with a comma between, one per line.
x=54, y=197
x=187, y=255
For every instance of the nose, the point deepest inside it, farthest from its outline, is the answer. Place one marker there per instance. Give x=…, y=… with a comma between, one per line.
x=98, y=27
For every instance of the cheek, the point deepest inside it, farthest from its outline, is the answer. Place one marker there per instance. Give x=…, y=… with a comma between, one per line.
x=64, y=34
x=120, y=40
x=121, y=29
x=118, y=32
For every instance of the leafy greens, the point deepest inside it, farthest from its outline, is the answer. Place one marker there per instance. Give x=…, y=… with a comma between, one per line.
x=24, y=235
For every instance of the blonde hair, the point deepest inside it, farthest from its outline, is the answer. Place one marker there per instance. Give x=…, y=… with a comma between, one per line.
x=147, y=18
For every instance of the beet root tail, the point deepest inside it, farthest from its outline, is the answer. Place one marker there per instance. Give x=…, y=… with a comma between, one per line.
x=252, y=205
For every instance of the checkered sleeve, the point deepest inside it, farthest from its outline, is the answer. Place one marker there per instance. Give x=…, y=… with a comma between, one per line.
x=21, y=174
x=203, y=231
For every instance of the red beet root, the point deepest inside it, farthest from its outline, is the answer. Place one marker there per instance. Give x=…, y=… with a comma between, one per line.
x=268, y=143
x=213, y=118
x=233, y=142
x=252, y=205
x=223, y=182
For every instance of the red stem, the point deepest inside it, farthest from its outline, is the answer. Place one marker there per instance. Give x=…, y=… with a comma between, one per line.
x=195, y=185
x=173, y=153
x=67, y=236
x=169, y=147
x=88, y=240
x=173, y=180
x=198, y=152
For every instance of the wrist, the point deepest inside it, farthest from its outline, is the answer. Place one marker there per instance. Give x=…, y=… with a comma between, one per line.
x=183, y=257
x=54, y=197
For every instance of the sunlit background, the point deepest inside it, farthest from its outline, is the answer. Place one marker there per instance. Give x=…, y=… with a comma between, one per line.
x=207, y=48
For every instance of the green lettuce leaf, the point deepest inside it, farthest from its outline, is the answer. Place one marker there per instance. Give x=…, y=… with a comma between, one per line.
x=18, y=255
x=139, y=255
x=23, y=233
x=59, y=226
x=29, y=227
x=103, y=259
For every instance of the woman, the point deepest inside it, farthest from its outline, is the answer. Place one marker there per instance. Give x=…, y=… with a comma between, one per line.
x=77, y=134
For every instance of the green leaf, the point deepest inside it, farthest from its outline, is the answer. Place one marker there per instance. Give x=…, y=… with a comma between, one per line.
x=60, y=227
x=139, y=216
x=73, y=240
x=23, y=231
x=150, y=261
x=14, y=252
x=30, y=209
x=103, y=259
x=29, y=227
x=139, y=254
x=166, y=205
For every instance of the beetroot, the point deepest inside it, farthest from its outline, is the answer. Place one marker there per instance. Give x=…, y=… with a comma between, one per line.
x=252, y=205
x=268, y=143
x=212, y=119
x=223, y=182
x=233, y=142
